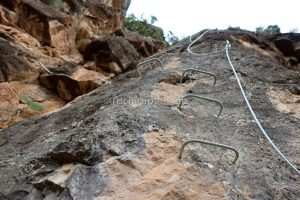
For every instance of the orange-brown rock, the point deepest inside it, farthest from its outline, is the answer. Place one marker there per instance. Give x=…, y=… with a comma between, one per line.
x=145, y=46
x=49, y=26
x=122, y=140
x=36, y=37
x=13, y=67
x=67, y=87
x=7, y=17
x=100, y=17
x=109, y=14
x=116, y=48
x=13, y=108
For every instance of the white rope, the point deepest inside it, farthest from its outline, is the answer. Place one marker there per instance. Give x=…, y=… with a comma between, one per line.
x=254, y=115
x=196, y=40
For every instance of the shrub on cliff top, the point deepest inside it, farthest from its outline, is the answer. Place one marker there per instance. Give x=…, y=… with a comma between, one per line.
x=144, y=28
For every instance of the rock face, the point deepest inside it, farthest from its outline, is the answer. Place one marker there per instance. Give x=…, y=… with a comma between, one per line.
x=122, y=140
x=109, y=14
x=66, y=87
x=111, y=50
x=14, y=108
x=48, y=26
x=12, y=65
x=289, y=45
x=144, y=46
x=37, y=48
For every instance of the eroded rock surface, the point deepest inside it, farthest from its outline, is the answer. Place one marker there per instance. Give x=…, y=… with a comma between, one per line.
x=37, y=47
x=48, y=26
x=145, y=46
x=66, y=87
x=121, y=141
x=14, y=108
x=112, y=49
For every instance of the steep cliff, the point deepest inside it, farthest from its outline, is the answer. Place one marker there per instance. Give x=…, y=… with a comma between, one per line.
x=43, y=49
x=122, y=140
x=71, y=130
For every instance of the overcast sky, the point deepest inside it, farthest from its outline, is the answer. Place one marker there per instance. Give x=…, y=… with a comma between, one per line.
x=187, y=17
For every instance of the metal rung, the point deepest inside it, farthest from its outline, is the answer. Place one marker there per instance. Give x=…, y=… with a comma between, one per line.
x=201, y=97
x=160, y=55
x=200, y=71
x=209, y=143
x=149, y=60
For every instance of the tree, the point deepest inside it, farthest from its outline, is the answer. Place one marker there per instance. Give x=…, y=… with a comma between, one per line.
x=153, y=19
x=171, y=38
x=259, y=29
x=273, y=29
x=143, y=27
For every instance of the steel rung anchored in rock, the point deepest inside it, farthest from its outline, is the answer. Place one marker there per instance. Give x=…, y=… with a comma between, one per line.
x=209, y=143
x=159, y=55
x=201, y=97
x=149, y=60
x=200, y=71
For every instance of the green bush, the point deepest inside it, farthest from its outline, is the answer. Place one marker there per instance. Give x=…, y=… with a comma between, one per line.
x=271, y=29
x=171, y=38
x=259, y=29
x=56, y=4
x=142, y=27
x=32, y=104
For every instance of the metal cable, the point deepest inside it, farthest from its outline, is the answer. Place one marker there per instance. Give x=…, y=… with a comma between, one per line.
x=202, y=54
x=209, y=143
x=44, y=67
x=254, y=115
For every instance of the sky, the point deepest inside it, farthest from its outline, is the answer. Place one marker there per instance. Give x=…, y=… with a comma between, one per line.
x=188, y=17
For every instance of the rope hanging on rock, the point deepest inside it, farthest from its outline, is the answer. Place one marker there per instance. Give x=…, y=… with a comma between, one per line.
x=228, y=46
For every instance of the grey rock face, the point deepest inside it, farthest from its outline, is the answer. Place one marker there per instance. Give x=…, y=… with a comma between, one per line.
x=64, y=155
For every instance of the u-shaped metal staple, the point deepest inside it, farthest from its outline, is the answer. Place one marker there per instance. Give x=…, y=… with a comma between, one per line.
x=201, y=97
x=149, y=60
x=209, y=143
x=200, y=71
x=160, y=55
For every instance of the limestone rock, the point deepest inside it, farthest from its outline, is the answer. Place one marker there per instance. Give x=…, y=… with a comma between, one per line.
x=48, y=26
x=36, y=38
x=112, y=46
x=7, y=17
x=145, y=46
x=14, y=109
x=288, y=44
x=66, y=87
x=285, y=45
x=12, y=66
x=70, y=182
x=122, y=140
x=109, y=14
x=297, y=49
